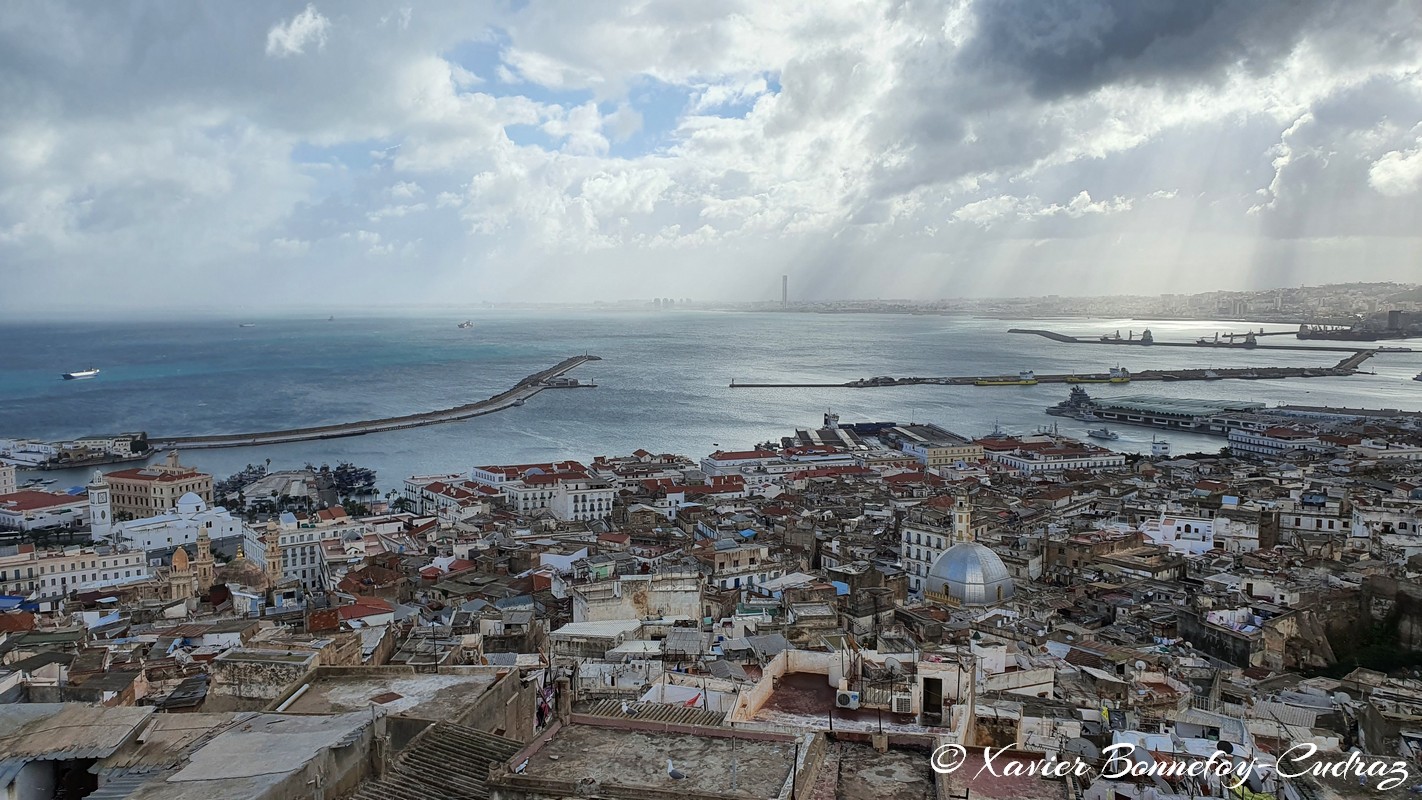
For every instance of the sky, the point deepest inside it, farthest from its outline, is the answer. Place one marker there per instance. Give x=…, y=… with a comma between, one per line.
x=162, y=156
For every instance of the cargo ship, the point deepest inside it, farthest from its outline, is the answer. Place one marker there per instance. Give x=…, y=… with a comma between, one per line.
x=1116, y=375
x=1115, y=338
x=1246, y=341
x=1024, y=378
x=81, y=374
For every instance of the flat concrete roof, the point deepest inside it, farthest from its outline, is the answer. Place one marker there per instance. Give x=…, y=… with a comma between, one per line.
x=639, y=758
x=973, y=776
x=433, y=697
x=1183, y=406
x=865, y=774
x=250, y=758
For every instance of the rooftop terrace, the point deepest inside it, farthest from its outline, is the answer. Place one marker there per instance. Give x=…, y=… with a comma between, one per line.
x=435, y=697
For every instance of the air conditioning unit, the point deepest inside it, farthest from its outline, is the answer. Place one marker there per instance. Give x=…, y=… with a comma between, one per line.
x=848, y=700
x=902, y=704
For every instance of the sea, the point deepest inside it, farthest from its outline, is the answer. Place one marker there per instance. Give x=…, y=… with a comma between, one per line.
x=663, y=383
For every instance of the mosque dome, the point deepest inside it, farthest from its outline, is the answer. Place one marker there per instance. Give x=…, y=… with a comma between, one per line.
x=243, y=571
x=971, y=574
x=190, y=503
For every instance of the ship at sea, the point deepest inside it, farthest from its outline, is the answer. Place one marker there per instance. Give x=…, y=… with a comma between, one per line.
x=247, y=325
x=1024, y=378
x=1116, y=375
x=1248, y=340
x=1103, y=433
x=1146, y=337
x=81, y=374
x=466, y=324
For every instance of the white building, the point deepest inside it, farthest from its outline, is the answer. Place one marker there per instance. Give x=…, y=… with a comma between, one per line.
x=736, y=462
x=1053, y=455
x=565, y=489
x=29, y=510
x=1275, y=441
x=1189, y=536
x=26, y=571
x=7, y=479
x=922, y=541
x=176, y=526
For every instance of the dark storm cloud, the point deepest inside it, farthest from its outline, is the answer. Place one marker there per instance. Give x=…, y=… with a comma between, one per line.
x=1059, y=48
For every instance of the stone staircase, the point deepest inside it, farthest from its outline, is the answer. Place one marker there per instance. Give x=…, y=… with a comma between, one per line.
x=445, y=761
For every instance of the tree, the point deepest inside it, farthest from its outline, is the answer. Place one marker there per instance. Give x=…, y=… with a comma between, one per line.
x=403, y=504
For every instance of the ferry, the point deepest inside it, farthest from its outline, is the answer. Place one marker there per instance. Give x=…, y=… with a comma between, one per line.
x=81, y=374
x=1024, y=378
x=1103, y=433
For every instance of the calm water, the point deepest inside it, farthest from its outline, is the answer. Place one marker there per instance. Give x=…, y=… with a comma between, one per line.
x=663, y=383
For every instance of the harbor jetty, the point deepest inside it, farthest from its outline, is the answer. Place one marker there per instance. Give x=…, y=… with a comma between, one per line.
x=1347, y=366
x=1115, y=341
x=551, y=378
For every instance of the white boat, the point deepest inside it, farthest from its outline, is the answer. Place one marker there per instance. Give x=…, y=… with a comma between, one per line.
x=247, y=325
x=81, y=374
x=1103, y=433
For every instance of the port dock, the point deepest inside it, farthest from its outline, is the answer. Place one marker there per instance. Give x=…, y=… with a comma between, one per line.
x=551, y=378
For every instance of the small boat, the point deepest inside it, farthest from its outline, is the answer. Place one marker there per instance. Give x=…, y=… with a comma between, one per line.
x=81, y=374
x=247, y=325
x=1103, y=433
x=466, y=324
x=1417, y=377
x=330, y=319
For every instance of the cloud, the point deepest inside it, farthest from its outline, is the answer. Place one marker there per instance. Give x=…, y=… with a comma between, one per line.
x=1398, y=172
x=291, y=39
x=921, y=147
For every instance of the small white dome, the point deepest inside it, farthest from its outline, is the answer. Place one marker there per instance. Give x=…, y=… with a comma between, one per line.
x=190, y=503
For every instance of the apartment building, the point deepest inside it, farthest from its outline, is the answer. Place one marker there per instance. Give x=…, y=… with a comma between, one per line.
x=25, y=570
x=144, y=491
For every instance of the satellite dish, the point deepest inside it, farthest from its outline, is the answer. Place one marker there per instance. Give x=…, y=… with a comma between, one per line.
x=1140, y=666
x=1341, y=697
x=893, y=665
x=1225, y=747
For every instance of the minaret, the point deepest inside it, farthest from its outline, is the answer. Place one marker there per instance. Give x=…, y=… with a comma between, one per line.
x=962, y=519
x=203, y=564
x=272, y=540
x=101, y=518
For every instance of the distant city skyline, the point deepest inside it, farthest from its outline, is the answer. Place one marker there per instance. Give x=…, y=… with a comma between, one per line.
x=160, y=156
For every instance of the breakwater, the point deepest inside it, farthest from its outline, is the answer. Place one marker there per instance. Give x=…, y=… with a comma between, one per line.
x=515, y=396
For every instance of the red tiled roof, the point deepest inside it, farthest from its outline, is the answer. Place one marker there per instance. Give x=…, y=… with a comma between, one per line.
x=31, y=500
x=144, y=474
x=738, y=455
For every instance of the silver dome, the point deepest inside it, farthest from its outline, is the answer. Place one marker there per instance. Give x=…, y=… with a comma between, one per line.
x=970, y=573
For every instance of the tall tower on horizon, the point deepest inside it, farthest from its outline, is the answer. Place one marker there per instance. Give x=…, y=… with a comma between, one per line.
x=784, y=291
